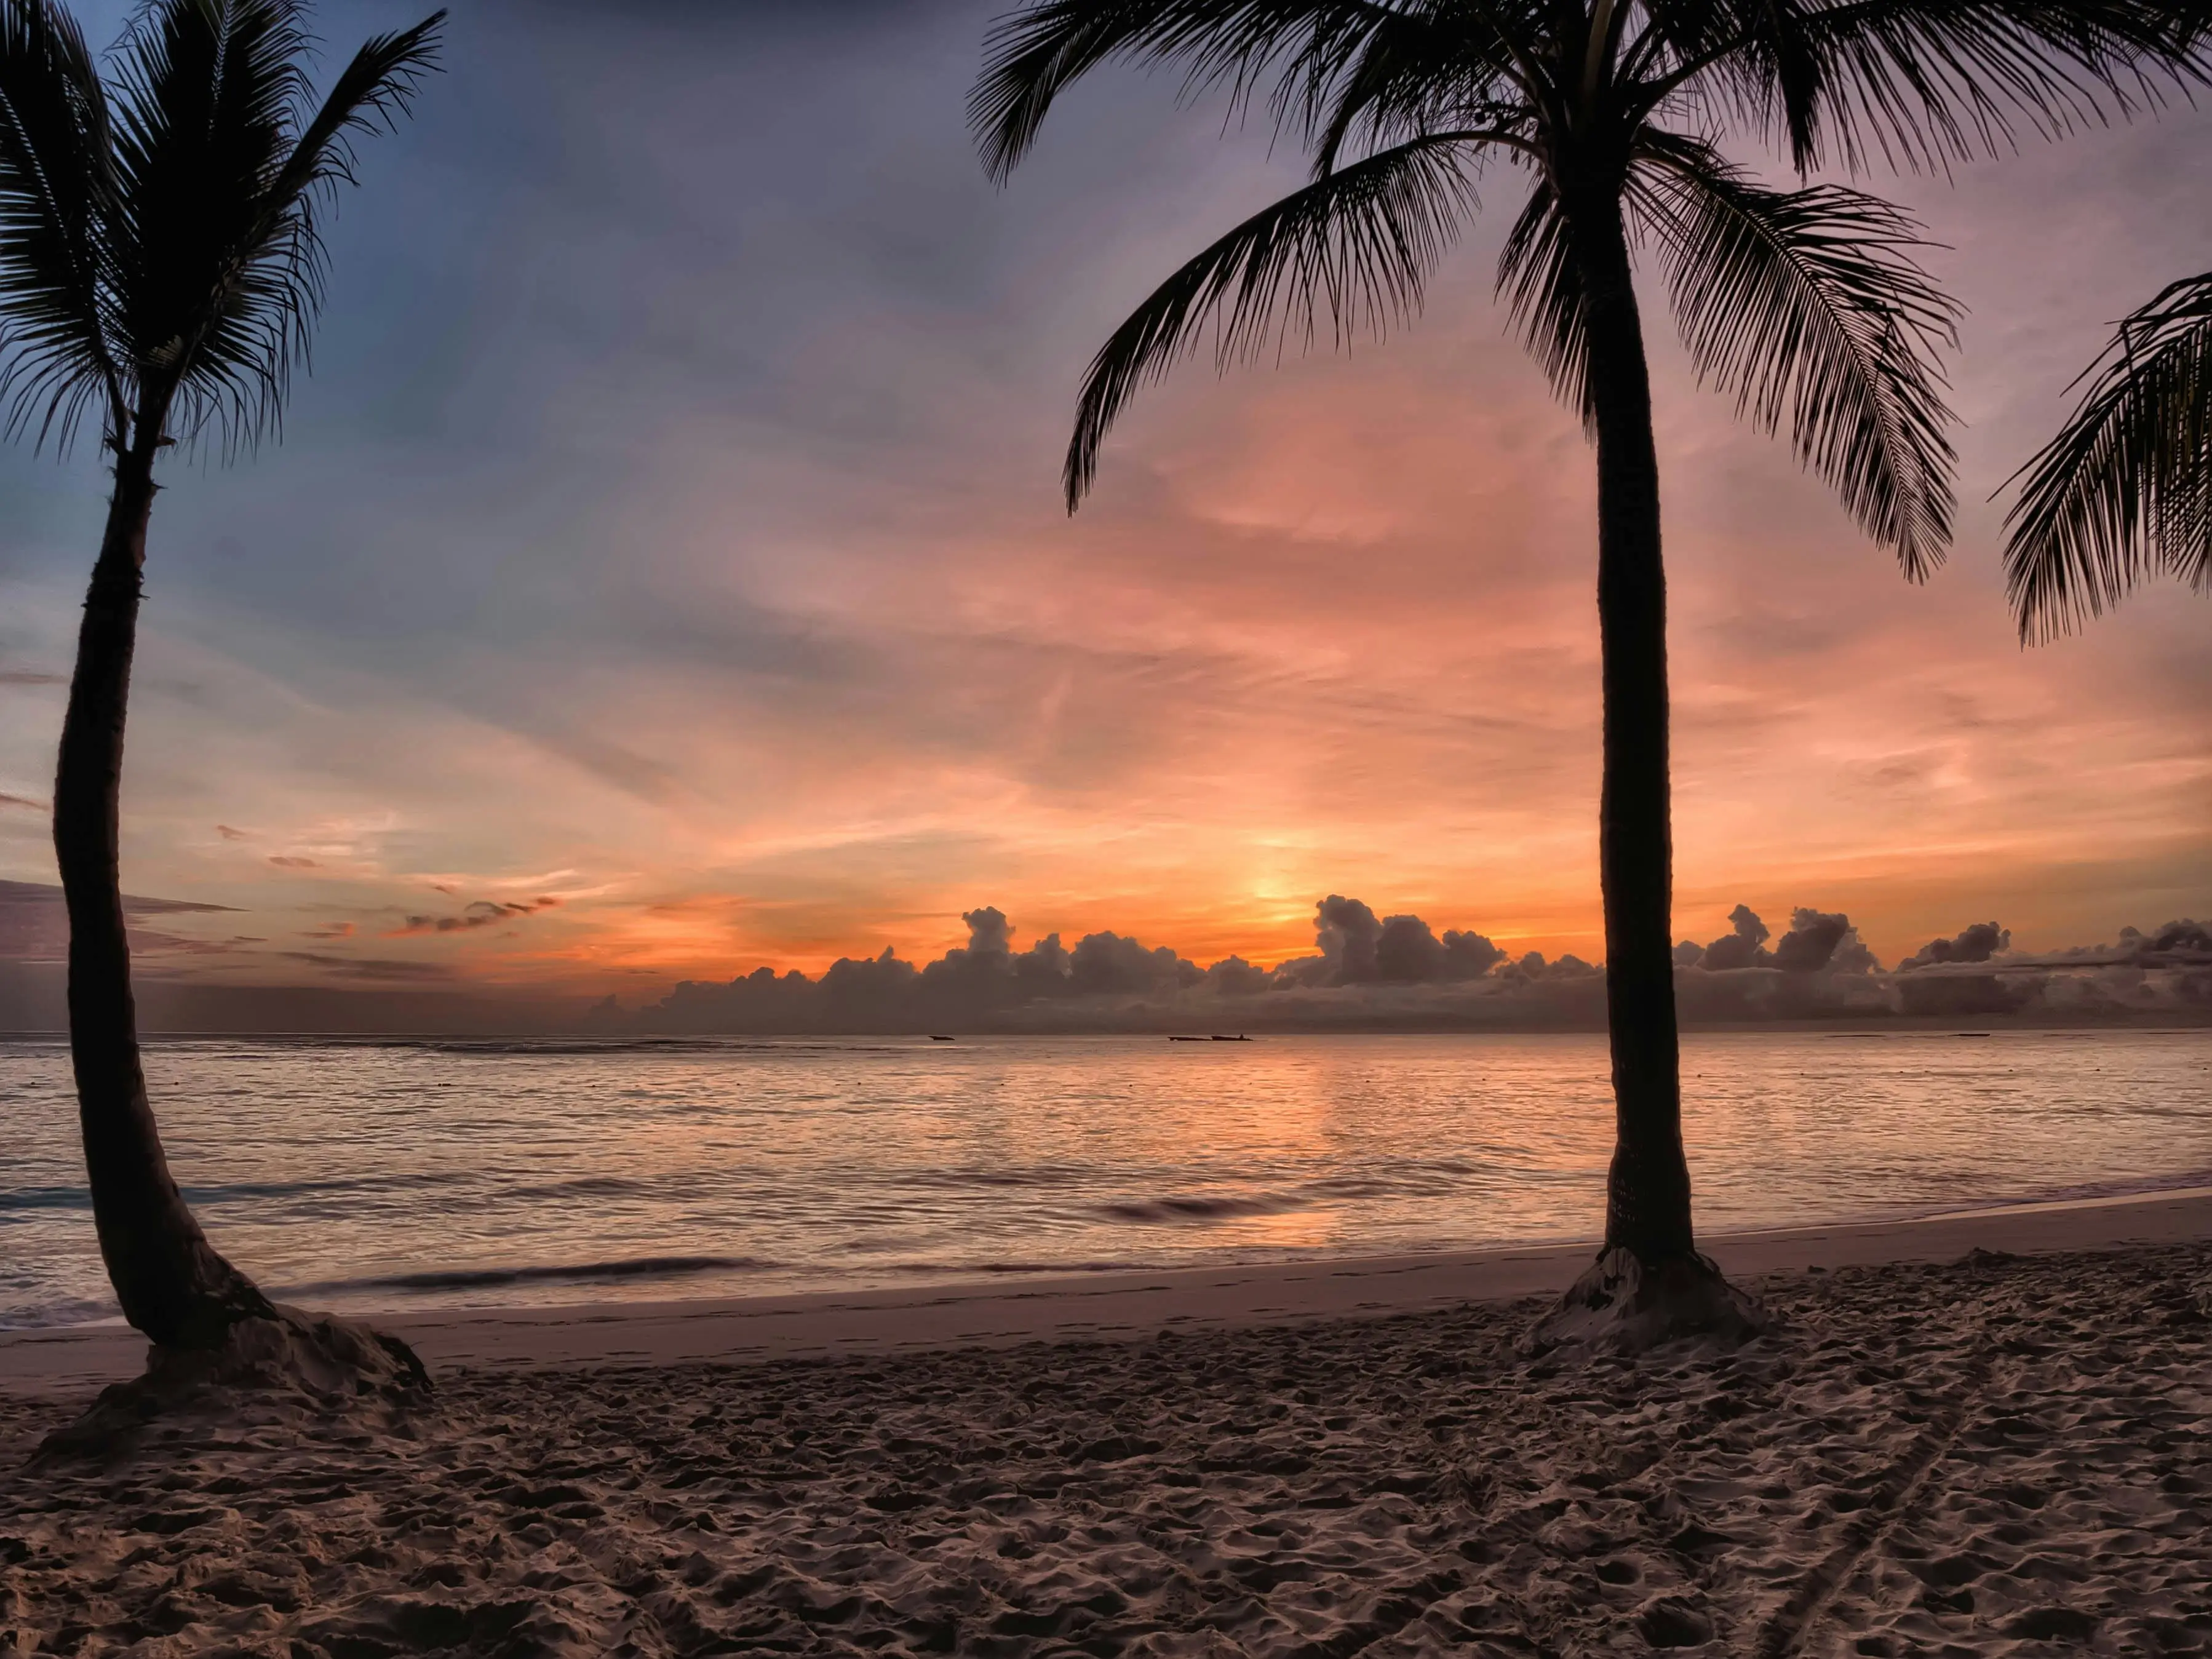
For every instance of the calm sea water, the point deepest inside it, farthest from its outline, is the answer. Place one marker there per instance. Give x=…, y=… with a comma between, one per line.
x=386, y=1175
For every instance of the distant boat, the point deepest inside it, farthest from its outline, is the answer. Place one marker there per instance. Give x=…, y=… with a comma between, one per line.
x=933, y=1037
x=1240, y=1037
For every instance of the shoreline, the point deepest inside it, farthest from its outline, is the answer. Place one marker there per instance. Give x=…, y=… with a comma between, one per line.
x=1131, y=1306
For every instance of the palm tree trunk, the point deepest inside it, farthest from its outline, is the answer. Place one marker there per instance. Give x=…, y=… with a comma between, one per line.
x=1647, y=1190
x=172, y=1283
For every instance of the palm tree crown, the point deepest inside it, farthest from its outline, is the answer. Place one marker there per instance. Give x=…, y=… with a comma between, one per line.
x=2124, y=490
x=161, y=257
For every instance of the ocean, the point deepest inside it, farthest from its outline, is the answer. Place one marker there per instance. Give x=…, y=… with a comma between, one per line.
x=366, y=1175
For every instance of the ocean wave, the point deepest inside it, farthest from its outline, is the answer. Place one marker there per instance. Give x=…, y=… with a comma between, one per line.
x=47, y=1316
x=80, y=1198
x=597, y=1047
x=467, y=1279
x=944, y=1268
x=1201, y=1206
x=2148, y=1186
x=600, y=1186
x=46, y=1198
x=958, y=1177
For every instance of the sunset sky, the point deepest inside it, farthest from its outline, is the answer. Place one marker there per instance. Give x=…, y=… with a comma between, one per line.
x=663, y=571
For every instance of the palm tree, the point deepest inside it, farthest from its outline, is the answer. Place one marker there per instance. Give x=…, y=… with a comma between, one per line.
x=160, y=267
x=1805, y=305
x=2124, y=490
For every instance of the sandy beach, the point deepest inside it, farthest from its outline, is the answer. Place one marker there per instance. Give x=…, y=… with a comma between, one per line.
x=1995, y=1453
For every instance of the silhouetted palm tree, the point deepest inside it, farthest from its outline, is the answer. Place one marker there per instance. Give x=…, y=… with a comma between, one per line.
x=2124, y=490
x=1805, y=305
x=160, y=271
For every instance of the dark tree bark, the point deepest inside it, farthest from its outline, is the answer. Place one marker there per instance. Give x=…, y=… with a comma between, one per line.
x=1648, y=1285
x=1648, y=1189
x=172, y=1283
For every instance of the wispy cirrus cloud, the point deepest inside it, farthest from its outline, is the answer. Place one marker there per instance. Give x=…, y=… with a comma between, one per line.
x=379, y=970
x=483, y=913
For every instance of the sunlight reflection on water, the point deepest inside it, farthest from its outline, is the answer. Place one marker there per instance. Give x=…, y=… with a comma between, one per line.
x=377, y=1174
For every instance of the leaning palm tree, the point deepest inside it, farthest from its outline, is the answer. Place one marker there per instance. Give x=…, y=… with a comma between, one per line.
x=1805, y=305
x=2124, y=491
x=159, y=270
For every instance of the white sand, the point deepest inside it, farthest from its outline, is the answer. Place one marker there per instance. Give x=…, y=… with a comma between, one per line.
x=1996, y=1457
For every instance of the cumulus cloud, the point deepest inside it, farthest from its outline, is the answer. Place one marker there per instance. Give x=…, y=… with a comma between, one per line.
x=1407, y=953
x=1108, y=964
x=1969, y=945
x=1233, y=976
x=1820, y=970
x=1359, y=948
x=1533, y=967
x=1743, y=946
x=988, y=933
x=1348, y=935
x=2177, y=945
x=1817, y=941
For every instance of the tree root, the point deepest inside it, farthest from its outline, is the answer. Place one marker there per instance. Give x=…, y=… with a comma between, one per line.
x=1626, y=1305
x=293, y=1370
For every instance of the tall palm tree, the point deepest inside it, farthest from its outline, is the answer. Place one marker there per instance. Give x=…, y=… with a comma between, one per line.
x=1805, y=305
x=2124, y=490
x=160, y=268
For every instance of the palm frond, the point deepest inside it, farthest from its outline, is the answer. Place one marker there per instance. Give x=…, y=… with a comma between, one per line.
x=208, y=99
x=2124, y=490
x=258, y=325
x=1358, y=245
x=1032, y=56
x=219, y=265
x=370, y=94
x=55, y=185
x=1921, y=84
x=1749, y=55
x=1427, y=69
x=1541, y=284
x=1808, y=306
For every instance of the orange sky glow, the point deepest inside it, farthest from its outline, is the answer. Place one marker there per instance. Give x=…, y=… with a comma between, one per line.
x=797, y=689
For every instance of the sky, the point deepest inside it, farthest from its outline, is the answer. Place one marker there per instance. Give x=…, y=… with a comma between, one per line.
x=663, y=572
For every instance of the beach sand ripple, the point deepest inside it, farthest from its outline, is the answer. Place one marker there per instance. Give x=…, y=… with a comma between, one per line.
x=2002, y=1456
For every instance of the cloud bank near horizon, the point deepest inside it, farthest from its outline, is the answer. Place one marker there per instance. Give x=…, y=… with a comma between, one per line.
x=1396, y=971
x=1365, y=971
